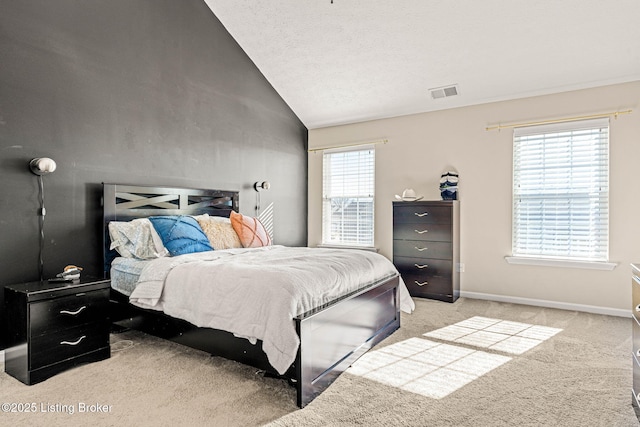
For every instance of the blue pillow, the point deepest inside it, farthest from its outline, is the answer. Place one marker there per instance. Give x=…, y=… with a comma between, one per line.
x=181, y=234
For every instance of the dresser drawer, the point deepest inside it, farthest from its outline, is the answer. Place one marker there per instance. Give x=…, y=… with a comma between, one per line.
x=422, y=249
x=635, y=295
x=423, y=231
x=421, y=214
x=423, y=267
x=636, y=376
x=636, y=337
x=426, y=284
x=67, y=312
x=62, y=345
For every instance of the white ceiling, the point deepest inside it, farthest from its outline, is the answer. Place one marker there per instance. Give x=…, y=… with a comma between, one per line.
x=357, y=60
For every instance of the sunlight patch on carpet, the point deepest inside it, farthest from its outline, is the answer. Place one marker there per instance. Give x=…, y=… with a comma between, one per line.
x=425, y=367
x=495, y=334
x=435, y=369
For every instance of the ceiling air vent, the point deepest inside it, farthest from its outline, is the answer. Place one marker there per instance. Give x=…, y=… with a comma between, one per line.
x=444, y=92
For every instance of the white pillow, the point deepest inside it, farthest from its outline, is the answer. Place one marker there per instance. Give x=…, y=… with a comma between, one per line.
x=136, y=239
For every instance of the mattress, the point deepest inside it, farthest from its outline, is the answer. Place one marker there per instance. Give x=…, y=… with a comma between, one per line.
x=125, y=273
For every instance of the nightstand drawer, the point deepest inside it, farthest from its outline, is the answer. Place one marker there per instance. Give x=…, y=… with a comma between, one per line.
x=421, y=214
x=67, y=312
x=56, y=347
x=423, y=267
x=422, y=249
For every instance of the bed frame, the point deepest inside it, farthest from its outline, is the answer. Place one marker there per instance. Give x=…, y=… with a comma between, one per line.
x=332, y=337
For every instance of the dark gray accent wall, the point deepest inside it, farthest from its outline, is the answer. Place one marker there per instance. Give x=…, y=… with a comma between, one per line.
x=132, y=91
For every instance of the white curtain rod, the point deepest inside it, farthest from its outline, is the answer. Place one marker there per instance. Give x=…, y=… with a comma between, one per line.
x=357, y=144
x=568, y=119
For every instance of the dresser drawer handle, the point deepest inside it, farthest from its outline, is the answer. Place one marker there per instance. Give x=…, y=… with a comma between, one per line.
x=421, y=249
x=421, y=214
x=73, y=313
x=74, y=342
x=420, y=284
x=421, y=232
x=421, y=266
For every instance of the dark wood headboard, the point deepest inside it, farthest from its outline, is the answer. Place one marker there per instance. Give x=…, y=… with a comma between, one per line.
x=123, y=202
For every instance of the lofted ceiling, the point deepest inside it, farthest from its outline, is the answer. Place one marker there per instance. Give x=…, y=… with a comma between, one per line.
x=357, y=60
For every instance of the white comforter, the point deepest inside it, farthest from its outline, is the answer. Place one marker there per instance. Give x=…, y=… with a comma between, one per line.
x=256, y=293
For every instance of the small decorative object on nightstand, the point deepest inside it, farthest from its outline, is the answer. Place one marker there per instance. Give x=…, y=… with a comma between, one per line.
x=55, y=325
x=426, y=247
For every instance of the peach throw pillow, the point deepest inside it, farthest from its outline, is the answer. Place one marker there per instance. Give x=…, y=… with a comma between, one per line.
x=250, y=230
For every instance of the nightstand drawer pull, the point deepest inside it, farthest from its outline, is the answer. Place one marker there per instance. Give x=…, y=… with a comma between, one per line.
x=421, y=249
x=421, y=266
x=74, y=342
x=421, y=232
x=73, y=313
x=420, y=284
x=421, y=214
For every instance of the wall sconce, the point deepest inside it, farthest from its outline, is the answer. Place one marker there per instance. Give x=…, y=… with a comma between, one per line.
x=264, y=185
x=259, y=186
x=42, y=166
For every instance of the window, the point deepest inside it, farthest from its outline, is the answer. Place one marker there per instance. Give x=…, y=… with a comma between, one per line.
x=347, y=197
x=561, y=191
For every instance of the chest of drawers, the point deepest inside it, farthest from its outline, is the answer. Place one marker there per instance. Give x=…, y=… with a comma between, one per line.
x=55, y=326
x=426, y=248
x=635, y=310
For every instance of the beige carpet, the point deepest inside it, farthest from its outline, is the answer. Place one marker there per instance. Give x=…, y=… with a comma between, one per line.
x=579, y=377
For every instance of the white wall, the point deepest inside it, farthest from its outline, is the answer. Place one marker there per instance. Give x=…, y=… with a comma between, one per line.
x=422, y=146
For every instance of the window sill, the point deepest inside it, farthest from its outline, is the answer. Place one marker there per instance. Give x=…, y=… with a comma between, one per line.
x=362, y=248
x=591, y=265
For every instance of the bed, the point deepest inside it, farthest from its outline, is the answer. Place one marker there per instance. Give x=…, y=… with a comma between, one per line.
x=308, y=340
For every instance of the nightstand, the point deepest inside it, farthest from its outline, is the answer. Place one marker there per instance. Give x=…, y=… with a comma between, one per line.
x=54, y=326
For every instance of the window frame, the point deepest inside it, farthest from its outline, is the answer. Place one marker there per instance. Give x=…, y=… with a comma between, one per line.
x=561, y=136
x=341, y=241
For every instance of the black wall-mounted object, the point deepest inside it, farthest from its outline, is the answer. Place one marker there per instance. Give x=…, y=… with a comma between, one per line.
x=145, y=92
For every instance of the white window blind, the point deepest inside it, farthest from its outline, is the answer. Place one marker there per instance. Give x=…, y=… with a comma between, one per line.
x=348, y=197
x=561, y=191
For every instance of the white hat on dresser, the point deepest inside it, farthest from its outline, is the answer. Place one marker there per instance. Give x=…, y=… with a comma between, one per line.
x=408, y=195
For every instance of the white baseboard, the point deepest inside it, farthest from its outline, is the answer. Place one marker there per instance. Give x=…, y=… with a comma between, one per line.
x=551, y=304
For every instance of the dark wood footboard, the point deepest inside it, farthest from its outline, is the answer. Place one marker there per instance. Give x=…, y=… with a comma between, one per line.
x=333, y=338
